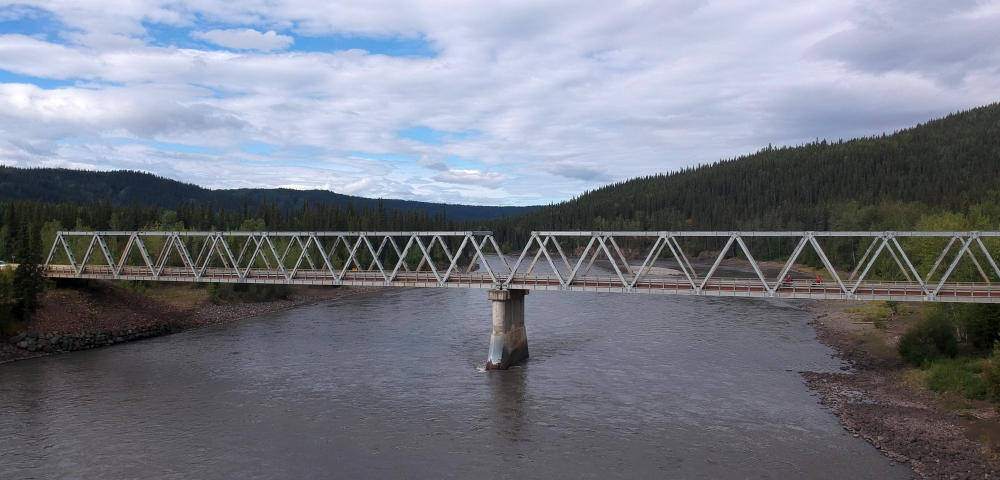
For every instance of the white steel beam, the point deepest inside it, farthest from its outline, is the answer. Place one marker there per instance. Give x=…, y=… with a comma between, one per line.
x=274, y=250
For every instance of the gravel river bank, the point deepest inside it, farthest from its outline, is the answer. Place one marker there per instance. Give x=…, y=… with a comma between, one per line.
x=71, y=320
x=880, y=403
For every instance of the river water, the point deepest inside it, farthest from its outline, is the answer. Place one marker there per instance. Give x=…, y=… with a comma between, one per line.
x=391, y=385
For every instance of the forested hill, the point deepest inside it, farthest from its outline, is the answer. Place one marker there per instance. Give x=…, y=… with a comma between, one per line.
x=55, y=185
x=942, y=165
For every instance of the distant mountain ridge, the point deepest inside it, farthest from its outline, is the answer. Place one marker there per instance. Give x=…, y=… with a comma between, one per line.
x=122, y=187
x=948, y=164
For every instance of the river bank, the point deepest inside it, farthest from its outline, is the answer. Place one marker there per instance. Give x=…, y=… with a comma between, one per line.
x=80, y=319
x=886, y=403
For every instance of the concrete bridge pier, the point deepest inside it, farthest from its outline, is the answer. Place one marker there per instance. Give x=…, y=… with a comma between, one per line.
x=509, y=342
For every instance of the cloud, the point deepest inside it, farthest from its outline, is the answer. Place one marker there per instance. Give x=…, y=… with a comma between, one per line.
x=471, y=177
x=358, y=186
x=509, y=103
x=586, y=172
x=942, y=40
x=246, y=39
x=433, y=164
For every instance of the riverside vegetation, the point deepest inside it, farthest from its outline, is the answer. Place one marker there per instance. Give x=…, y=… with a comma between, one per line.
x=950, y=349
x=957, y=350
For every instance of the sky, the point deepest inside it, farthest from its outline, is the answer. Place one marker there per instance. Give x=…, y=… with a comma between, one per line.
x=491, y=103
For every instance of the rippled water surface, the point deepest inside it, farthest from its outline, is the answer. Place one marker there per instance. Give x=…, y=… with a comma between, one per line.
x=392, y=385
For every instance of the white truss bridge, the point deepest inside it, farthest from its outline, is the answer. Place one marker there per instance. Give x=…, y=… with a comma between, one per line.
x=622, y=262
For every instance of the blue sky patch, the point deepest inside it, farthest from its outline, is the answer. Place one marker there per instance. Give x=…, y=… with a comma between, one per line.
x=390, y=46
x=463, y=163
x=171, y=36
x=302, y=151
x=258, y=148
x=45, y=83
x=435, y=137
x=181, y=37
x=392, y=157
x=31, y=21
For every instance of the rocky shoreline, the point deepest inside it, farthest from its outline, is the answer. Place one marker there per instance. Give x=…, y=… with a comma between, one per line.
x=52, y=342
x=877, y=402
x=72, y=334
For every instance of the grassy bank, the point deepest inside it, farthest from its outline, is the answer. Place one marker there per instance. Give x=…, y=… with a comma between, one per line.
x=951, y=350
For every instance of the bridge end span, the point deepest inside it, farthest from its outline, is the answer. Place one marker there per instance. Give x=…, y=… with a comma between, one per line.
x=509, y=342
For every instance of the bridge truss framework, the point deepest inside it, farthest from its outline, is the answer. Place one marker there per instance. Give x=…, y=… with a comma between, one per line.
x=473, y=259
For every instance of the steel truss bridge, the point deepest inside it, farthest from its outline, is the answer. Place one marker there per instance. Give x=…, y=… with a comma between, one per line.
x=649, y=262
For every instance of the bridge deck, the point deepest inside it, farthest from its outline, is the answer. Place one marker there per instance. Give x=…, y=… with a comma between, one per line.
x=719, y=287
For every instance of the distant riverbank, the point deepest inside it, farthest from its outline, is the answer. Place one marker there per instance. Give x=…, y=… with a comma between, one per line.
x=106, y=314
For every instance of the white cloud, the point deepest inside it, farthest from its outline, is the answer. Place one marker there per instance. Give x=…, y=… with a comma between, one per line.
x=585, y=172
x=358, y=187
x=246, y=39
x=568, y=95
x=471, y=177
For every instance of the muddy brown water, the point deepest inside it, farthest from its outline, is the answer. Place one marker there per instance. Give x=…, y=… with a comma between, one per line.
x=391, y=385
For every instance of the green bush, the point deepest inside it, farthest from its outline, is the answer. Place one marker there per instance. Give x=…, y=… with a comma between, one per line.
x=930, y=338
x=255, y=292
x=991, y=373
x=28, y=284
x=980, y=323
x=137, y=286
x=964, y=376
x=9, y=324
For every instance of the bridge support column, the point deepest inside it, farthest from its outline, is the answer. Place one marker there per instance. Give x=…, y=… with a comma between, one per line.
x=509, y=342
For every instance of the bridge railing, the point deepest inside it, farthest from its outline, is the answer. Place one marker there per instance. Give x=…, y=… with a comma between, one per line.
x=618, y=261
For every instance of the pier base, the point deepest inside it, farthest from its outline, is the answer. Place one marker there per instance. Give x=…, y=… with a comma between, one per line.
x=509, y=342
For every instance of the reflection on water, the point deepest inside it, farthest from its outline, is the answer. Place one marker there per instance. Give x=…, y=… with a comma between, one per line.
x=507, y=402
x=392, y=385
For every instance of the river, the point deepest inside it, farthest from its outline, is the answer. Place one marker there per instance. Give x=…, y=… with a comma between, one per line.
x=392, y=385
